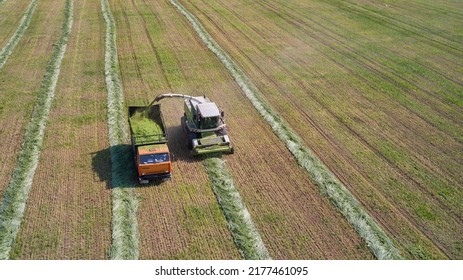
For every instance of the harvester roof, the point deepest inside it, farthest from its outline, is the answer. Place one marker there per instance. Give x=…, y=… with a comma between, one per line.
x=208, y=109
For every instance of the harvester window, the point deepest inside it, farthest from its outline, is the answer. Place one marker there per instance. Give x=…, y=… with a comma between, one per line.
x=210, y=122
x=154, y=158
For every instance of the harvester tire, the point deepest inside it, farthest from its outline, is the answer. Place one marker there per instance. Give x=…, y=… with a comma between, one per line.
x=189, y=138
x=183, y=123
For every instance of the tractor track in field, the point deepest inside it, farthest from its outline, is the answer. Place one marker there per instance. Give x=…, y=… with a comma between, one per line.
x=414, y=11
x=455, y=62
x=380, y=73
x=395, y=22
x=416, y=224
x=152, y=45
x=364, y=141
x=132, y=51
x=151, y=42
x=417, y=156
x=434, y=8
x=425, y=162
x=368, y=83
x=333, y=143
x=394, y=52
x=396, y=26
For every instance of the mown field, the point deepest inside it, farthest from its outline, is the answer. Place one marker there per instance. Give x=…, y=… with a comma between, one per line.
x=21, y=77
x=372, y=88
x=377, y=98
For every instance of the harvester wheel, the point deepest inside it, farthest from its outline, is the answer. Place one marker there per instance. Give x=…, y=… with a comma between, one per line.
x=189, y=138
x=223, y=131
x=183, y=122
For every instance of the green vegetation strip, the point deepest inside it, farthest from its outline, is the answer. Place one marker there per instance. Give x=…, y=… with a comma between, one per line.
x=16, y=194
x=9, y=47
x=245, y=234
x=124, y=209
x=377, y=240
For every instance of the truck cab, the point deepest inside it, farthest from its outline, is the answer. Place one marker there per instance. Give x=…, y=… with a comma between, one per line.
x=153, y=162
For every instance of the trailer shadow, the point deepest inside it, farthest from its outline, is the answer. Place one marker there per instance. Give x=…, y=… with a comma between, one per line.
x=101, y=166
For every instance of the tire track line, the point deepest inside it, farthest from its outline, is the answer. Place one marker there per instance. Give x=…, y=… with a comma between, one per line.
x=396, y=22
x=428, y=165
x=381, y=73
x=450, y=133
x=151, y=43
x=132, y=51
x=430, y=7
x=331, y=31
x=350, y=7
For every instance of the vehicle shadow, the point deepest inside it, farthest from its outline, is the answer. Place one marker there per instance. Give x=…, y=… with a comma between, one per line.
x=122, y=165
x=178, y=145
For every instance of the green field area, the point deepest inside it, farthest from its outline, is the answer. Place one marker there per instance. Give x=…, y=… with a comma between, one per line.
x=346, y=118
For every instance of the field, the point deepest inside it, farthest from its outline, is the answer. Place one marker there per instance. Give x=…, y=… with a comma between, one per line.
x=346, y=119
